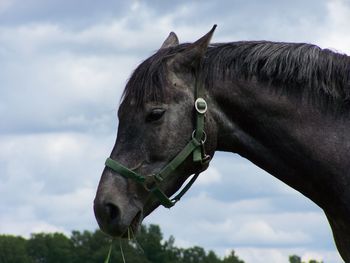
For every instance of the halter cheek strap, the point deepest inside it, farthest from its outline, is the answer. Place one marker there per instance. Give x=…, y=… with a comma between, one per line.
x=195, y=146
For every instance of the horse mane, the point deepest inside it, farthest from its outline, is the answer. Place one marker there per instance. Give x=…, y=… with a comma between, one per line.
x=300, y=68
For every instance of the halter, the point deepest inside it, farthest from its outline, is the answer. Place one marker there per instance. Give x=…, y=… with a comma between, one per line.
x=195, y=145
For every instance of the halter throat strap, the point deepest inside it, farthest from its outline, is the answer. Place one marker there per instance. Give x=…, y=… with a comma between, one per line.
x=195, y=146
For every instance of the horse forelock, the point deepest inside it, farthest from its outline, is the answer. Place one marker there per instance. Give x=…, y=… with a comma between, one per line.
x=149, y=81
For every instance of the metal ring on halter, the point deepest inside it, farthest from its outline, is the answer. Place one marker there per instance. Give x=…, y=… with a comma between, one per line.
x=204, y=136
x=201, y=105
x=150, y=183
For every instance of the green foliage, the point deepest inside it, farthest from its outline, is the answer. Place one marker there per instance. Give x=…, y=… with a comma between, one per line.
x=92, y=247
x=88, y=247
x=150, y=239
x=49, y=248
x=13, y=250
x=232, y=258
x=294, y=259
x=297, y=259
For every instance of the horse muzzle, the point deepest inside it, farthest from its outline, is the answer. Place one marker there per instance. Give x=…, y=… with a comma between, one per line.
x=116, y=213
x=114, y=221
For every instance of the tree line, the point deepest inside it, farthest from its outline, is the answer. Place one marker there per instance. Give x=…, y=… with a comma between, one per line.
x=92, y=247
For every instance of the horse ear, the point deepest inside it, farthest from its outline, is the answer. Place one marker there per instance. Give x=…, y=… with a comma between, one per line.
x=193, y=54
x=171, y=41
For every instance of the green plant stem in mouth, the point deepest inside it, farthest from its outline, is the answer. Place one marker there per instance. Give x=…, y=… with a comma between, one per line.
x=131, y=237
x=135, y=240
x=133, y=227
x=109, y=252
x=108, y=258
x=121, y=250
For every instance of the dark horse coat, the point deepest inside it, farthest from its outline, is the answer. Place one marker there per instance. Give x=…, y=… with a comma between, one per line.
x=283, y=106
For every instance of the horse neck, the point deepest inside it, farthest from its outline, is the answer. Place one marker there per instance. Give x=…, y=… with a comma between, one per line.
x=286, y=136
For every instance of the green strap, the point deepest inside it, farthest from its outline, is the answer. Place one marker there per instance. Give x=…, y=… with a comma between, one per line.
x=166, y=201
x=185, y=189
x=170, y=168
x=165, y=172
x=201, y=108
x=197, y=153
x=119, y=168
x=175, y=163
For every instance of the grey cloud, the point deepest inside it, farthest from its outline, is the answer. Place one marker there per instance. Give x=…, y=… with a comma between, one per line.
x=234, y=224
x=75, y=14
x=53, y=177
x=63, y=67
x=43, y=94
x=248, y=20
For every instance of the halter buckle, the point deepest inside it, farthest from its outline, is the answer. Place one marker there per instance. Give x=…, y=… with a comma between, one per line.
x=151, y=182
x=202, y=140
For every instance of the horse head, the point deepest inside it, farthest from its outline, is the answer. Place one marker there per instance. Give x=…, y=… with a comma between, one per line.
x=161, y=137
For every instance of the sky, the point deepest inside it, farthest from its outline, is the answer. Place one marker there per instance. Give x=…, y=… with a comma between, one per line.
x=63, y=67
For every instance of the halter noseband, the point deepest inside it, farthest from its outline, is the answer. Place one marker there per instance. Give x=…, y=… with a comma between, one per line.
x=195, y=146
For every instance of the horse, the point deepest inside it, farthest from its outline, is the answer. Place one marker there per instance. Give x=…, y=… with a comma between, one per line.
x=283, y=106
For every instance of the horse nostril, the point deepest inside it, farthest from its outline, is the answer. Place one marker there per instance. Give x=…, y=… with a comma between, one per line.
x=112, y=211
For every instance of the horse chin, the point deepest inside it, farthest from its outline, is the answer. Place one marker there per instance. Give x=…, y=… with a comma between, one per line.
x=134, y=226
x=150, y=207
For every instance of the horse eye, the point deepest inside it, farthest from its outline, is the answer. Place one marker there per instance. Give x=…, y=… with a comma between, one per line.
x=155, y=115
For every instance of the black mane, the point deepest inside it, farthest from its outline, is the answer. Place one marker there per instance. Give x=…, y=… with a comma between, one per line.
x=321, y=73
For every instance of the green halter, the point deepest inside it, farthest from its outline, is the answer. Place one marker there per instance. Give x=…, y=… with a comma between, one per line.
x=195, y=146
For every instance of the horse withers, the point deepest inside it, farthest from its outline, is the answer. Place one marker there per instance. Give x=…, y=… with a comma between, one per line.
x=283, y=106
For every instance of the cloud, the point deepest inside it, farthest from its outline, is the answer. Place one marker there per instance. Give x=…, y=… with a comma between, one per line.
x=242, y=180
x=254, y=228
x=244, y=222
x=5, y=5
x=273, y=255
x=48, y=181
x=25, y=227
x=63, y=69
x=264, y=235
x=56, y=78
x=76, y=14
x=209, y=177
x=58, y=91
x=335, y=33
x=39, y=159
x=49, y=212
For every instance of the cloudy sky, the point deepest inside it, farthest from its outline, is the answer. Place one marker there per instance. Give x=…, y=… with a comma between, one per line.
x=63, y=67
